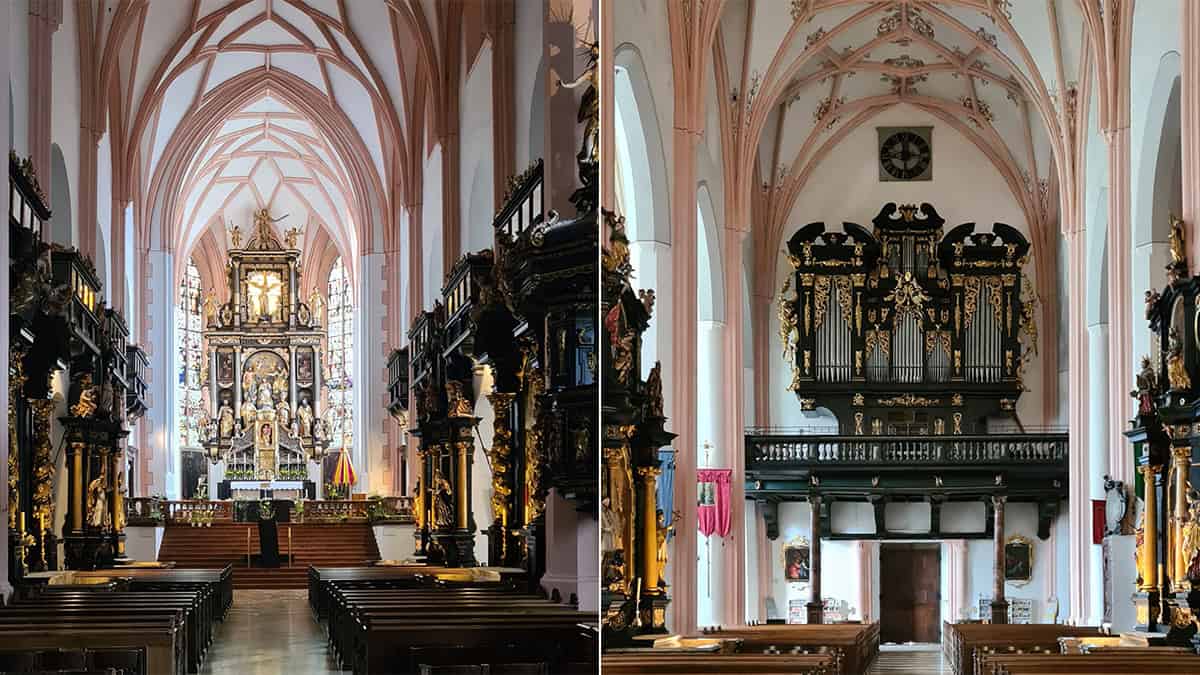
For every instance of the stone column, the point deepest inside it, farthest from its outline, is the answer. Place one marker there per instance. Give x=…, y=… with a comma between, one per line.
x=999, y=604
x=956, y=579
x=1079, y=396
x=816, y=610
x=292, y=377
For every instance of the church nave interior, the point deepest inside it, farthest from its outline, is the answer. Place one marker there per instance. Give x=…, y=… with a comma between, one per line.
x=301, y=346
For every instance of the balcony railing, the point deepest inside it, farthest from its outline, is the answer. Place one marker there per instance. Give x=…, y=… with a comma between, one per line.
x=786, y=451
x=157, y=511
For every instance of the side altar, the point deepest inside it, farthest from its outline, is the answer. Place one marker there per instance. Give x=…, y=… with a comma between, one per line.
x=263, y=370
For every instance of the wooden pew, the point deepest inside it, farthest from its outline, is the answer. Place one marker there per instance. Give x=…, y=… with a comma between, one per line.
x=963, y=643
x=854, y=646
x=400, y=620
x=681, y=661
x=1140, y=661
x=158, y=640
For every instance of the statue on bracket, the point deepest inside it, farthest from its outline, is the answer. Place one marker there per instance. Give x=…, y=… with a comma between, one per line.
x=98, y=515
x=225, y=415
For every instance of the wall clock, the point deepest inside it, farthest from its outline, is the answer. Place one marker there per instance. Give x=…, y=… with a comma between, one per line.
x=905, y=153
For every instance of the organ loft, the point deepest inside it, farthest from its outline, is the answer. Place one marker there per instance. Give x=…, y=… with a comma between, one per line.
x=263, y=369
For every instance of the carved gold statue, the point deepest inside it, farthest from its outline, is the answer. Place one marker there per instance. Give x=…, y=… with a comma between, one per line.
x=419, y=506
x=235, y=236
x=249, y=412
x=1178, y=242
x=662, y=535
x=98, y=515
x=1177, y=375
x=1190, y=540
x=86, y=405
x=210, y=306
x=292, y=236
x=443, y=507
x=225, y=415
x=789, y=324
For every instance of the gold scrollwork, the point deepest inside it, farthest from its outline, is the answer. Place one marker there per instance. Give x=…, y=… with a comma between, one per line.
x=909, y=401
x=820, y=299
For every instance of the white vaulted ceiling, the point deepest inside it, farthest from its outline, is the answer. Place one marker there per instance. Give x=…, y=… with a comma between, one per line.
x=998, y=70
x=298, y=106
x=268, y=155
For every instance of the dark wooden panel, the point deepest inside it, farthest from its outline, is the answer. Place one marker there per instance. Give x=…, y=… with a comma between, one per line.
x=910, y=592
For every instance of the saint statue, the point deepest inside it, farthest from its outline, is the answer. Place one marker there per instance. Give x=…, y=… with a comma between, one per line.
x=320, y=431
x=1177, y=375
x=98, y=515
x=316, y=305
x=443, y=516
x=248, y=381
x=225, y=415
x=248, y=412
x=304, y=415
x=283, y=413
x=661, y=535
x=609, y=526
x=235, y=236
x=264, y=396
x=1178, y=251
x=419, y=506
x=210, y=306
x=291, y=236
x=280, y=384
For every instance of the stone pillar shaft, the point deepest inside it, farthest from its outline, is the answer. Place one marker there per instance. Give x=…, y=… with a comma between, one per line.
x=816, y=611
x=999, y=604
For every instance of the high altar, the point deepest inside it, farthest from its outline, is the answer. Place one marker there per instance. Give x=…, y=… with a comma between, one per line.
x=264, y=367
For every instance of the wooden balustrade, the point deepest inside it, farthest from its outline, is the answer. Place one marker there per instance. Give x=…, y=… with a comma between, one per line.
x=199, y=512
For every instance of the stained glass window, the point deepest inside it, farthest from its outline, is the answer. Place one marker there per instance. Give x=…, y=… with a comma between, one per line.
x=339, y=358
x=188, y=327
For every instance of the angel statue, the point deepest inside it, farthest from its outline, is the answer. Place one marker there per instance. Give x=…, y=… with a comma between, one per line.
x=589, y=108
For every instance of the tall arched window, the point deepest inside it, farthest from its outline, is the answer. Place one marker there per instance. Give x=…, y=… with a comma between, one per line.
x=188, y=327
x=339, y=358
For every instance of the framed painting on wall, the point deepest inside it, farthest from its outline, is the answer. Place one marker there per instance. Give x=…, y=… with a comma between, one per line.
x=796, y=560
x=1018, y=560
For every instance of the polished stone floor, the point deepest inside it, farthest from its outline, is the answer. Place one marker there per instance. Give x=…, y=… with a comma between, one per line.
x=916, y=659
x=269, y=633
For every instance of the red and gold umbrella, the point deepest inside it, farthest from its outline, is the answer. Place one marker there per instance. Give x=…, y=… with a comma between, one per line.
x=344, y=474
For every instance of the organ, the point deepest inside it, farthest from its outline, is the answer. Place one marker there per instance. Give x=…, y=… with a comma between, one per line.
x=905, y=329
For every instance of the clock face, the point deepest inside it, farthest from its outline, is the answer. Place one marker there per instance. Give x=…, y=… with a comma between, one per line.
x=905, y=155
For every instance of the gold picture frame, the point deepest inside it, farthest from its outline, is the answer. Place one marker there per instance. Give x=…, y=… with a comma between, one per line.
x=796, y=559
x=1018, y=560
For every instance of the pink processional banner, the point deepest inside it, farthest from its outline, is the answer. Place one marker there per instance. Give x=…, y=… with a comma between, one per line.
x=713, y=510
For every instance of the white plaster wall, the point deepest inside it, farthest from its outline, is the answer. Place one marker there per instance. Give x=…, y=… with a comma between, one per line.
x=18, y=74
x=104, y=243
x=476, y=154
x=65, y=113
x=528, y=83
x=965, y=188
x=841, y=568
x=431, y=229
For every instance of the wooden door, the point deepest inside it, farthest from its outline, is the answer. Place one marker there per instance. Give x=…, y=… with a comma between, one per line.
x=910, y=592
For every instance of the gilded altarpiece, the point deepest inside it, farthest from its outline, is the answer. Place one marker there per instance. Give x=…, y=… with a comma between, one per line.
x=634, y=593
x=263, y=368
